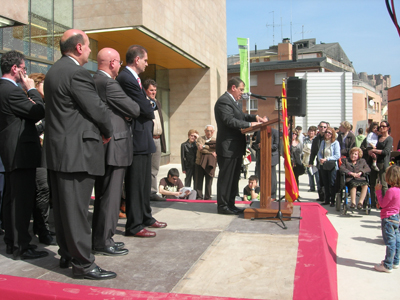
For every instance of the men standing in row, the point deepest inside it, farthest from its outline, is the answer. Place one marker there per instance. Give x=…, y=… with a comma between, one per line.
x=20, y=152
x=78, y=124
x=150, y=87
x=118, y=154
x=231, y=144
x=206, y=162
x=138, y=178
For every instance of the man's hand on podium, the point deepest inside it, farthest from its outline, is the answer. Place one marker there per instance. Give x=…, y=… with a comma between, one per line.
x=261, y=120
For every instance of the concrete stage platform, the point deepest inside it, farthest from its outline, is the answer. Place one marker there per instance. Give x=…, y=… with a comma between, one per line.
x=199, y=253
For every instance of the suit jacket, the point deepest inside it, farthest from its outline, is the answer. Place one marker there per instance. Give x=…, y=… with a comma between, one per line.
x=231, y=143
x=162, y=138
x=119, y=151
x=142, y=126
x=75, y=120
x=20, y=145
x=349, y=143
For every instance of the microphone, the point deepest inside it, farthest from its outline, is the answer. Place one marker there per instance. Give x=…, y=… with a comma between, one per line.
x=247, y=96
x=258, y=96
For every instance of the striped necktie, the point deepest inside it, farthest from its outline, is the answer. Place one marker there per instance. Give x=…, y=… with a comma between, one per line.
x=140, y=82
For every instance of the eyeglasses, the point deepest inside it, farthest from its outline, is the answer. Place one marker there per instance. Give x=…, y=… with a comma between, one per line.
x=321, y=126
x=382, y=126
x=23, y=68
x=328, y=132
x=119, y=61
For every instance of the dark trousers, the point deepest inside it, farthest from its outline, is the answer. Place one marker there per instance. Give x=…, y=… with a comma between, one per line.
x=138, y=188
x=328, y=179
x=18, y=201
x=228, y=180
x=381, y=175
x=41, y=208
x=108, y=190
x=189, y=175
x=199, y=176
x=71, y=194
x=274, y=182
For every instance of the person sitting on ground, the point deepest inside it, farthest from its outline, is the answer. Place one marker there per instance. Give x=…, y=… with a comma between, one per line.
x=252, y=191
x=390, y=204
x=355, y=167
x=171, y=187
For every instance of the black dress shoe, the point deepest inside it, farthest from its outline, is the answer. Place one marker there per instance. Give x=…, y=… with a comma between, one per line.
x=332, y=204
x=119, y=245
x=10, y=248
x=97, y=274
x=52, y=233
x=237, y=210
x=225, y=211
x=29, y=254
x=47, y=240
x=155, y=197
x=325, y=203
x=111, y=251
x=65, y=263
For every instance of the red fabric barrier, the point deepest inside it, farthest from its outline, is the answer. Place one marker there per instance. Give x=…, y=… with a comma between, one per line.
x=20, y=288
x=316, y=273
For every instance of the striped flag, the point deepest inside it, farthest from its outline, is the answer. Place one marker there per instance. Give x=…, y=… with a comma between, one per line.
x=291, y=189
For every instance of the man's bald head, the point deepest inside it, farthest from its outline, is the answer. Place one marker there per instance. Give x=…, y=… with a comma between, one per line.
x=75, y=43
x=70, y=39
x=108, y=60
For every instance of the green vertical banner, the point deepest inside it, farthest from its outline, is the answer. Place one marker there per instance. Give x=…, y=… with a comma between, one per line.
x=244, y=62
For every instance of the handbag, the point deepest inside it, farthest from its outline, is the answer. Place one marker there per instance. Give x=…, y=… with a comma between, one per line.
x=329, y=165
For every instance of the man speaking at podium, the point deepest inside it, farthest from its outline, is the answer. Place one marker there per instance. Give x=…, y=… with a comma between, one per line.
x=231, y=144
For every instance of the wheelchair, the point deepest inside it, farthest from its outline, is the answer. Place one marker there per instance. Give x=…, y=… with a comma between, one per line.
x=343, y=196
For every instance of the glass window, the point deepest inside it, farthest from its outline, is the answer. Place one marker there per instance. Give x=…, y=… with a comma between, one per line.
x=279, y=77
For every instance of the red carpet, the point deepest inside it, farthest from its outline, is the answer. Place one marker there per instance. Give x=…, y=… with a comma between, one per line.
x=315, y=274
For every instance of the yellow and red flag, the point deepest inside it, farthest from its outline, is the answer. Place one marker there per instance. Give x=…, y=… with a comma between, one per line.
x=291, y=188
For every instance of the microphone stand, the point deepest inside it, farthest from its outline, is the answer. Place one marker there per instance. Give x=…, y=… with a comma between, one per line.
x=279, y=214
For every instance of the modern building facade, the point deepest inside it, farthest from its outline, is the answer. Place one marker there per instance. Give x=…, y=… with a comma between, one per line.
x=186, y=43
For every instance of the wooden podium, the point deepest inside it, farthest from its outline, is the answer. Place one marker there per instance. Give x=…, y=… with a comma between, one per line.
x=265, y=208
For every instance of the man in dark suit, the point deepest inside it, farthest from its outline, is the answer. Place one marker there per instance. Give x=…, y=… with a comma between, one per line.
x=20, y=152
x=138, y=178
x=150, y=87
x=231, y=144
x=118, y=154
x=77, y=125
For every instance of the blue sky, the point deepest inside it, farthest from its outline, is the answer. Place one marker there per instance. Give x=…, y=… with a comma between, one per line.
x=363, y=28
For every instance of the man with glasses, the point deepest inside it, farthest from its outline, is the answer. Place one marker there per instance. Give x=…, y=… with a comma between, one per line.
x=314, y=151
x=171, y=187
x=118, y=154
x=20, y=151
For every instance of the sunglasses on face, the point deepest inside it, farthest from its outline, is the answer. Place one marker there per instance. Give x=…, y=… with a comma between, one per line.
x=322, y=126
x=382, y=126
x=328, y=132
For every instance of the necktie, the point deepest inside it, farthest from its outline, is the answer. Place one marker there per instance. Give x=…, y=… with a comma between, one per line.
x=140, y=82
